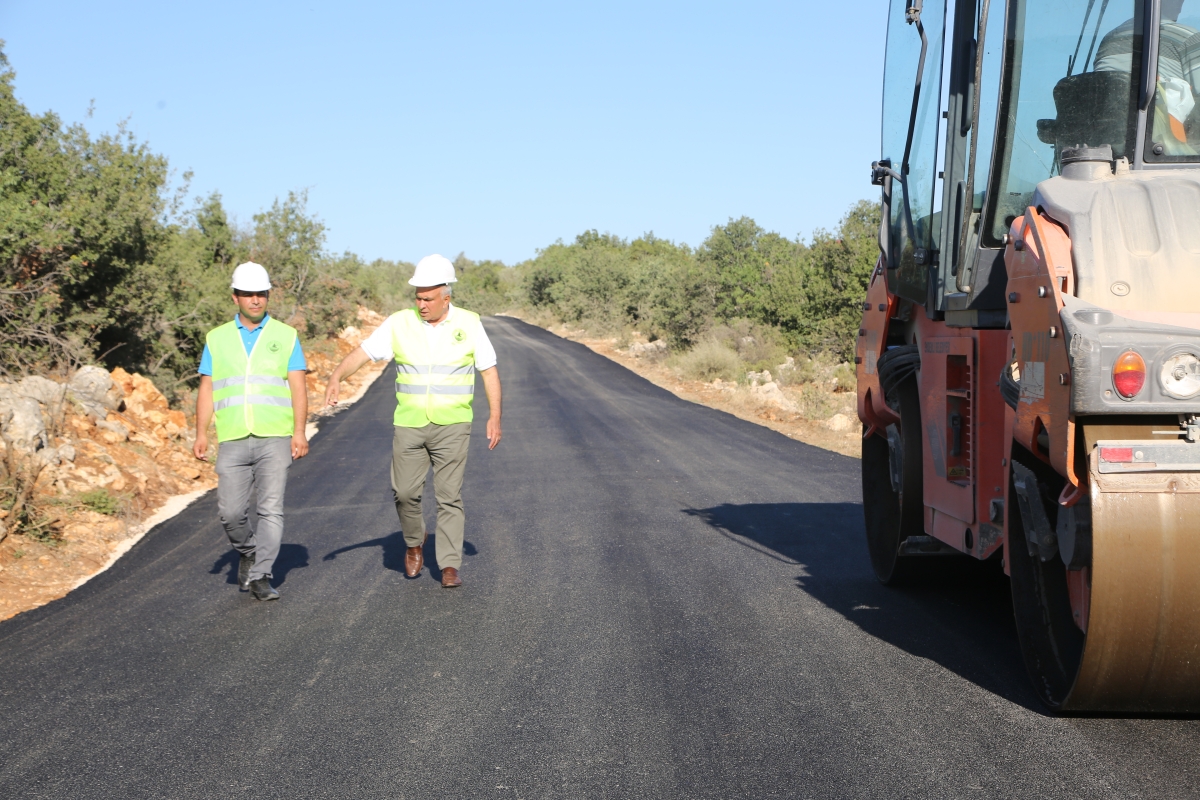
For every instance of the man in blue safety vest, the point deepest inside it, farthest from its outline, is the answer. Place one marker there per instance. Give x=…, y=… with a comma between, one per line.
x=252, y=379
x=438, y=348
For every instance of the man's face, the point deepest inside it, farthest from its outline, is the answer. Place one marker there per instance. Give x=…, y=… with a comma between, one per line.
x=432, y=303
x=252, y=305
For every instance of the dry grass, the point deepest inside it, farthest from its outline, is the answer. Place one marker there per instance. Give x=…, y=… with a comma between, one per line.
x=709, y=360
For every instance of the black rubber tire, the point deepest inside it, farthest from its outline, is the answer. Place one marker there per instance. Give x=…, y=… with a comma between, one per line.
x=1051, y=642
x=892, y=516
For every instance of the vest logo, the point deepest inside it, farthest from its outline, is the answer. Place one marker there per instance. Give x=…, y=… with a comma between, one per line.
x=459, y=335
x=274, y=347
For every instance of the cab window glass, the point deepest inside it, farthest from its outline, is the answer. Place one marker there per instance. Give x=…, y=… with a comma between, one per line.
x=1173, y=133
x=900, y=75
x=989, y=90
x=1070, y=80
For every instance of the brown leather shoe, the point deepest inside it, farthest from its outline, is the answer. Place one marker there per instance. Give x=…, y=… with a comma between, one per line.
x=450, y=578
x=414, y=560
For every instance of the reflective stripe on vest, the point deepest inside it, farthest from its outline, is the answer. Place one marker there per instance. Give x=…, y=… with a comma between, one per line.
x=433, y=369
x=251, y=395
x=238, y=380
x=241, y=399
x=434, y=383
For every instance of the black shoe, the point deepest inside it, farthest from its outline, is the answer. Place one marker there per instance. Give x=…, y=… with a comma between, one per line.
x=245, y=562
x=262, y=590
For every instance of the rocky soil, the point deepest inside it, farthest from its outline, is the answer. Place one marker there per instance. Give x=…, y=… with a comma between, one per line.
x=819, y=413
x=109, y=452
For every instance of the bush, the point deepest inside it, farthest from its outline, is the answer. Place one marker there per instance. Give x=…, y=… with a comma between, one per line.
x=708, y=360
x=19, y=500
x=758, y=346
x=846, y=377
x=101, y=501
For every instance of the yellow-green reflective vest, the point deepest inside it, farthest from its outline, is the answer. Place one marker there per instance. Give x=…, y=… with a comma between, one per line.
x=434, y=383
x=250, y=392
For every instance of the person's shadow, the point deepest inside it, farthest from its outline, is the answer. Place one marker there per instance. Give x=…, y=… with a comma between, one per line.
x=291, y=556
x=393, y=547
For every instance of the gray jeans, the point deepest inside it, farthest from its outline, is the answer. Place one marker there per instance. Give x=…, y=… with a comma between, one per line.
x=413, y=450
x=260, y=465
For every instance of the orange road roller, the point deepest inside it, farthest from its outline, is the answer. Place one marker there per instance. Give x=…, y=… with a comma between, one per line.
x=1029, y=354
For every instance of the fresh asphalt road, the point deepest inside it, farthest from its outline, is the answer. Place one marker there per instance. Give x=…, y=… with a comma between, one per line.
x=660, y=600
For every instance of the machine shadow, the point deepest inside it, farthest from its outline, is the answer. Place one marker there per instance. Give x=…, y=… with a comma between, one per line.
x=960, y=616
x=291, y=556
x=392, y=549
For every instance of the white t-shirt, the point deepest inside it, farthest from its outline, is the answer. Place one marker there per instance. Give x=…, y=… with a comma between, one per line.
x=379, y=344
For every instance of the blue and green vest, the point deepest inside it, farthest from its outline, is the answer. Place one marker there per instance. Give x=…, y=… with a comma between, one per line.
x=251, y=396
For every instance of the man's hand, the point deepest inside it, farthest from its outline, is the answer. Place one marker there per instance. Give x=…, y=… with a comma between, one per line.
x=200, y=447
x=331, y=392
x=299, y=445
x=491, y=385
x=204, y=413
x=349, y=365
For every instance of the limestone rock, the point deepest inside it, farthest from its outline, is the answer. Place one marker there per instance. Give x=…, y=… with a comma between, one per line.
x=113, y=431
x=95, y=391
x=21, y=420
x=145, y=397
x=369, y=318
x=656, y=348
x=352, y=335
x=840, y=423
x=43, y=390
x=770, y=394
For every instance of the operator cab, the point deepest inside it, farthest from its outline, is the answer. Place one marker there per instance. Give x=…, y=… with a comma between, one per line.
x=1025, y=80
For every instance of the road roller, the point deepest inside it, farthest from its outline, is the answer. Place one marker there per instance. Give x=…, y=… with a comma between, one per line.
x=1029, y=354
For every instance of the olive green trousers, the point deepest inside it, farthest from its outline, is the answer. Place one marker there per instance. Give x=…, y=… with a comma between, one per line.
x=413, y=451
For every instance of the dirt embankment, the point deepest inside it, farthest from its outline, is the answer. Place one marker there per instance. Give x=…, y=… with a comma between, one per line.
x=112, y=458
x=816, y=412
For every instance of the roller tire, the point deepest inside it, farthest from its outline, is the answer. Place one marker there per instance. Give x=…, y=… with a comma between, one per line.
x=892, y=516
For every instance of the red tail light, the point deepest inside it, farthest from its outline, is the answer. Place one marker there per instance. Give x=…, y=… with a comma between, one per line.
x=1129, y=374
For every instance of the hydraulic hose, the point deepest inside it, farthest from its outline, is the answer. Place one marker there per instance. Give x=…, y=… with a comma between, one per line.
x=1010, y=387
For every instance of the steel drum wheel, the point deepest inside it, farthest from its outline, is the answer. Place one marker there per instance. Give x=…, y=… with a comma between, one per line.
x=892, y=516
x=1141, y=652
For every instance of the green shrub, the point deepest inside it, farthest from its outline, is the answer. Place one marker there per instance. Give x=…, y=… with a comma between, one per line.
x=26, y=513
x=759, y=346
x=101, y=501
x=708, y=360
x=846, y=377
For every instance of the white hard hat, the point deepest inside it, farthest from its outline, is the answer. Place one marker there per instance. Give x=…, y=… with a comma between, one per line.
x=251, y=277
x=433, y=270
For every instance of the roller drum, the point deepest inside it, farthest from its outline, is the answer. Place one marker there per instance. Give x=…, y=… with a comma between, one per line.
x=1142, y=650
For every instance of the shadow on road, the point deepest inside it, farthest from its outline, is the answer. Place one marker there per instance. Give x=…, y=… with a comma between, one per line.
x=960, y=618
x=393, y=547
x=291, y=556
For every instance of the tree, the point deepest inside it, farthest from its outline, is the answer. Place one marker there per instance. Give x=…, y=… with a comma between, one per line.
x=290, y=244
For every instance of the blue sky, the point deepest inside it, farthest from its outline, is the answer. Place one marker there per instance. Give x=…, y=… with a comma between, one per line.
x=490, y=128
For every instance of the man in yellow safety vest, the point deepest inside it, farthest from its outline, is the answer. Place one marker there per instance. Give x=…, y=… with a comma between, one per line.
x=438, y=348
x=252, y=378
